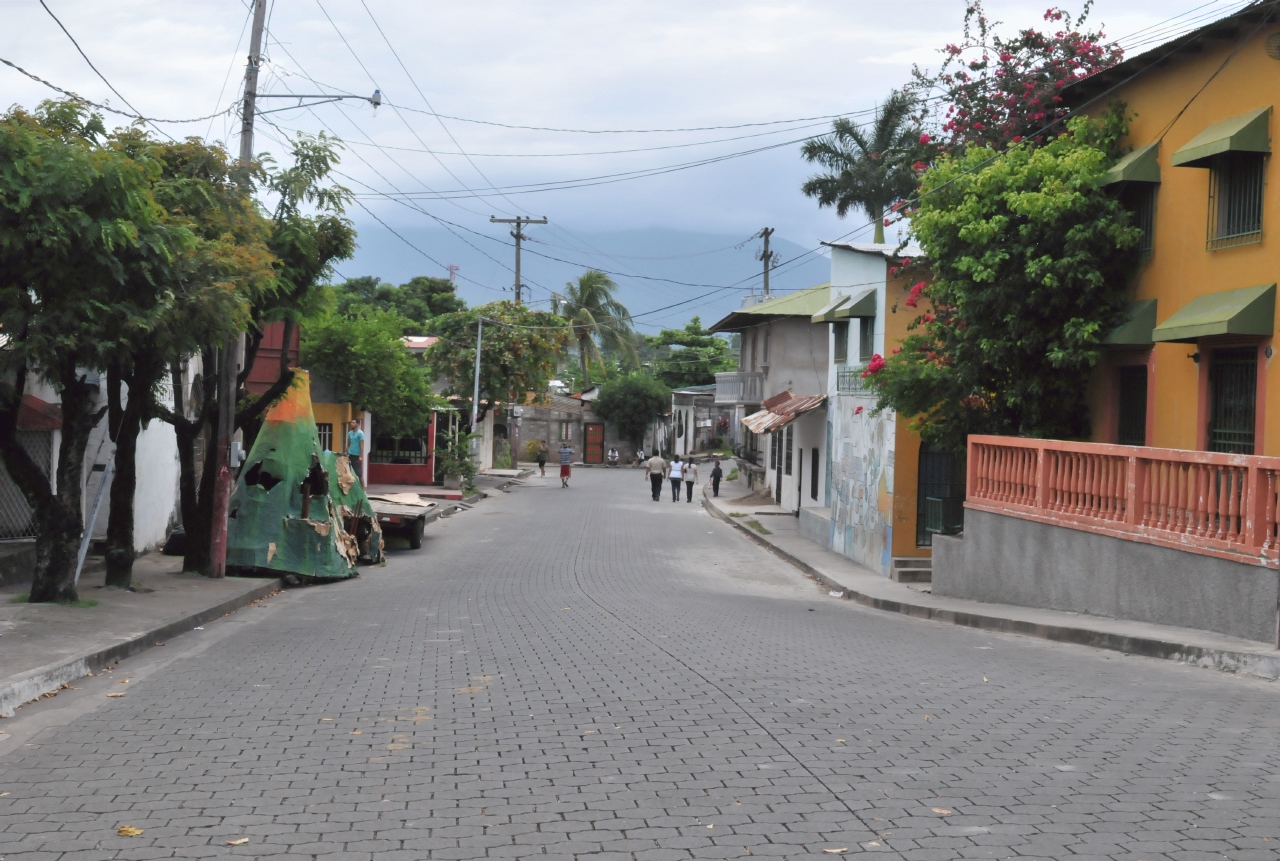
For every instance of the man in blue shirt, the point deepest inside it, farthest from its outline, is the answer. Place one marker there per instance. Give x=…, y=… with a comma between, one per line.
x=355, y=447
x=566, y=456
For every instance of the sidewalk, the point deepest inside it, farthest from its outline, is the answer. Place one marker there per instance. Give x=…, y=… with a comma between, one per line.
x=850, y=580
x=44, y=646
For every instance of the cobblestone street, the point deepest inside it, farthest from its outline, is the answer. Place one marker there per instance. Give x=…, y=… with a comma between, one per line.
x=587, y=673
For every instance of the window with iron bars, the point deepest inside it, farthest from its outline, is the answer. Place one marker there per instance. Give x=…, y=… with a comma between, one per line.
x=1236, y=182
x=1140, y=199
x=325, y=431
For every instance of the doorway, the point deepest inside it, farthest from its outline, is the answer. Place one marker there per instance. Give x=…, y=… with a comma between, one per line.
x=594, y=442
x=1132, y=409
x=1233, y=395
x=940, y=477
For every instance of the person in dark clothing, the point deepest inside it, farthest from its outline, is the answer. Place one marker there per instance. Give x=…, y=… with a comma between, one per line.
x=716, y=474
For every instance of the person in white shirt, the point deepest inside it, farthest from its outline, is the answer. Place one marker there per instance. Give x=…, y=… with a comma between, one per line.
x=690, y=479
x=675, y=472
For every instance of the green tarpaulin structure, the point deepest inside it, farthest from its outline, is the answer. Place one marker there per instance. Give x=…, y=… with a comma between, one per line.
x=288, y=512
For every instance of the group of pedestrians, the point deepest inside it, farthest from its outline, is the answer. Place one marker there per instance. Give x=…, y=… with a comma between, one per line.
x=677, y=471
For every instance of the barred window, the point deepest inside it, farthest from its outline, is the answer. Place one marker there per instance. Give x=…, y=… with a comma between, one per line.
x=1236, y=181
x=325, y=430
x=866, y=338
x=1140, y=199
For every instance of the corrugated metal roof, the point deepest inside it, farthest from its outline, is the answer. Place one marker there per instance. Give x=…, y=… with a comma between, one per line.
x=802, y=303
x=780, y=410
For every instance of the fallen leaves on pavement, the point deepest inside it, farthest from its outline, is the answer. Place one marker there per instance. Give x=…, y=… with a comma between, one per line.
x=240, y=842
x=942, y=811
x=128, y=831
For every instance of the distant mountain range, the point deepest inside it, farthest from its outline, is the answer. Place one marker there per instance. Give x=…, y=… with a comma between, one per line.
x=638, y=260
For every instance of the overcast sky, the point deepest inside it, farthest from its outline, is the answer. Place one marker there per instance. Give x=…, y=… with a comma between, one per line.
x=566, y=65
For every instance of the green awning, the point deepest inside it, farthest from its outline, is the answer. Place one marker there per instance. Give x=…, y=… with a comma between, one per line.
x=1135, y=331
x=1141, y=165
x=1245, y=133
x=862, y=305
x=828, y=312
x=1247, y=311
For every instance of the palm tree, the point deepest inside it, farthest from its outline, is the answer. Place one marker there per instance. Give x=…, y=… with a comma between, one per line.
x=867, y=168
x=595, y=315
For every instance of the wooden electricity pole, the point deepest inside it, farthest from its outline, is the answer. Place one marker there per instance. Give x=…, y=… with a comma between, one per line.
x=518, y=234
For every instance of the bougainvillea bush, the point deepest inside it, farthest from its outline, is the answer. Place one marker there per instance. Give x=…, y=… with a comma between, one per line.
x=994, y=90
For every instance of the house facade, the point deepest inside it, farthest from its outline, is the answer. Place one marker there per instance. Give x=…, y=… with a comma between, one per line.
x=783, y=362
x=1192, y=368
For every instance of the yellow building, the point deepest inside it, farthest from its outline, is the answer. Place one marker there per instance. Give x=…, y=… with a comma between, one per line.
x=1192, y=367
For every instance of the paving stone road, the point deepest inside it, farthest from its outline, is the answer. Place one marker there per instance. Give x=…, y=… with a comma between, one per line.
x=587, y=673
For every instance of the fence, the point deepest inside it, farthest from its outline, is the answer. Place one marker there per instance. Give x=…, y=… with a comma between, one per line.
x=16, y=519
x=1221, y=505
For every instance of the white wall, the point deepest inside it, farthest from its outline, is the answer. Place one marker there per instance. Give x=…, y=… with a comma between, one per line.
x=799, y=356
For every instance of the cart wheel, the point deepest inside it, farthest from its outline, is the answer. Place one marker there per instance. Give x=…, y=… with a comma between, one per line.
x=415, y=535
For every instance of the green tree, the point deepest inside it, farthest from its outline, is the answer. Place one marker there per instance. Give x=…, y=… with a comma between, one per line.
x=1029, y=258
x=71, y=212
x=696, y=358
x=631, y=403
x=307, y=235
x=418, y=301
x=192, y=300
x=362, y=355
x=518, y=357
x=868, y=168
x=596, y=316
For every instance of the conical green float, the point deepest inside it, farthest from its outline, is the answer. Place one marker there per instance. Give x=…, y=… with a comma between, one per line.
x=282, y=516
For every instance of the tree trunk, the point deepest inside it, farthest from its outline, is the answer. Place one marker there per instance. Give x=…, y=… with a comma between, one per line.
x=199, y=526
x=879, y=237
x=58, y=521
x=586, y=371
x=146, y=373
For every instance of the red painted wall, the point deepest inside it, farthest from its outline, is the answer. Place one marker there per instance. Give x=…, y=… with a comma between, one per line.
x=266, y=365
x=401, y=473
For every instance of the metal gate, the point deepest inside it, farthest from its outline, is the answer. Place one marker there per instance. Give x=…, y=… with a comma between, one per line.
x=16, y=520
x=939, y=478
x=594, y=442
x=1233, y=392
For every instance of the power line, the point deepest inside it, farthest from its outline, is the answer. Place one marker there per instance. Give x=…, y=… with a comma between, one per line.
x=91, y=103
x=110, y=86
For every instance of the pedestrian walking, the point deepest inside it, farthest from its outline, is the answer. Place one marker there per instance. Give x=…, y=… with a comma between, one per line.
x=543, y=448
x=640, y=457
x=716, y=474
x=690, y=479
x=654, y=469
x=675, y=472
x=355, y=447
x=566, y=457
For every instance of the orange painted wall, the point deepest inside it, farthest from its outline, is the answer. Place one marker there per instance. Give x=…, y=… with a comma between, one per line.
x=1181, y=267
x=906, y=454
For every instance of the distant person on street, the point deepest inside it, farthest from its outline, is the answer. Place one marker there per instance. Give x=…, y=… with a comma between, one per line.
x=639, y=457
x=566, y=457
x=675, y=472
x=655, y=467
x=543, y=448
x=355, y=447
x=690, y=479
x=716, y=474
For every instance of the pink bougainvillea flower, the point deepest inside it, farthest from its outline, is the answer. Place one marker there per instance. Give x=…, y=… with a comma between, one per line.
x=929, y=318
x=875, y=366
x=857, y=411
x=886, y=224
x=924, y=139
x=919, y=166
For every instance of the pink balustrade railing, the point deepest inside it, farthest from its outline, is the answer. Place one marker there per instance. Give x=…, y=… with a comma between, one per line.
x=1217, y=504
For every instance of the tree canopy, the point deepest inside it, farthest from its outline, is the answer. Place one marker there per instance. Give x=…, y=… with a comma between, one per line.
x=518, y=354
x=630, y=403
x=418, y=301
x=362, y=355
x=1028, y=260
x=691, y=356
x=596, y=315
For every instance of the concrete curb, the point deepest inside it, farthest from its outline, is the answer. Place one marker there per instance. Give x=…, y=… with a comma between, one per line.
x=1265, y=666
x=22, y=688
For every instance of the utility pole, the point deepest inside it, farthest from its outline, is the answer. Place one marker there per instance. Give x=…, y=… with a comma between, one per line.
x=518, y=234
x=766, y=257
x=231, y=352
x=475, y=396
x=227, y=386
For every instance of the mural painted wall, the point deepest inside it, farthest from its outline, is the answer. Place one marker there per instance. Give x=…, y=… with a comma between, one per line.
x=860, y=492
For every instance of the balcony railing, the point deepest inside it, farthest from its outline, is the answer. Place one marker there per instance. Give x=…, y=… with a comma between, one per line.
x=849, y=380
x=1222, y=505
x=739, y=387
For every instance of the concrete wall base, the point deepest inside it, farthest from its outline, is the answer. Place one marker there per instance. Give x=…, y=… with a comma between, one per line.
x=1008, y=560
